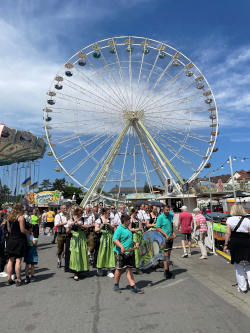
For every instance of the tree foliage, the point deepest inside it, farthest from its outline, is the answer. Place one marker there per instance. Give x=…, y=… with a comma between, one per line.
x=146, y=188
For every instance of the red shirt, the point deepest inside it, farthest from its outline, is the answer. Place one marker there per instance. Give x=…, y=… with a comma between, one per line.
x=185, y=221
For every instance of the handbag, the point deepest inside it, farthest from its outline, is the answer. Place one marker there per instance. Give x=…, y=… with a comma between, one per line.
x=235, y=229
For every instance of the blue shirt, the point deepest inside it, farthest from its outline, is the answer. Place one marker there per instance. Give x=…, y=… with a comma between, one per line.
x=165, y=223
x=124, y=236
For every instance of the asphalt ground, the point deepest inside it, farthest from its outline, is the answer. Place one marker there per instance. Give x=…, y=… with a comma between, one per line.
x=200, y=298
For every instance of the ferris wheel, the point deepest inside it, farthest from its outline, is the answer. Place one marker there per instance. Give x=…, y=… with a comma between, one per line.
x=127, y=110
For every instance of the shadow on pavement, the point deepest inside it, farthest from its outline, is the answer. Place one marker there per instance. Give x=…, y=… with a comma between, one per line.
x=45, y=244
x=42, y=277
x=38, y=270
x=45, y=248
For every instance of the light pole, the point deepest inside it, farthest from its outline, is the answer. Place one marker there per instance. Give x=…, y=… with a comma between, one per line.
x=232, y=176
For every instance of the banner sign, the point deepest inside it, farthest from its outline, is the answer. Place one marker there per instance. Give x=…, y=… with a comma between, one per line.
x=42, y=199
x=134, y=196
x=46, y=197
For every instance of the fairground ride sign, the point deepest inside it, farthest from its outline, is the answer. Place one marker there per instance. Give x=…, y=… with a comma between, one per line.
x=43, y=199
x=137, y=196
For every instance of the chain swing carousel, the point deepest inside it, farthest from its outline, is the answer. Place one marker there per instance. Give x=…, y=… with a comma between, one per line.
x=19, y=152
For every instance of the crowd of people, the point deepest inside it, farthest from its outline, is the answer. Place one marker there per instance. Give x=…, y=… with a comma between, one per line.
x=108, y=239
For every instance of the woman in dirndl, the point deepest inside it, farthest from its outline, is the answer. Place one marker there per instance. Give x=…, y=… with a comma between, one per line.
x=106, y=257
x=136, y=228
x=151, y=223
x=79, y=261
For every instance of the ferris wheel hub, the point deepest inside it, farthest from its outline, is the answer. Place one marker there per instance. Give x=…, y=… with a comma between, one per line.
x=133, y=115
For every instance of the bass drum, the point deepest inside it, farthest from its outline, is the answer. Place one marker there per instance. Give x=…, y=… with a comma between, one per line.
x=151, y=249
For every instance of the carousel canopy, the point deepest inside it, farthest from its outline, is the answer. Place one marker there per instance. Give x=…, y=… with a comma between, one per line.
x=19, y=146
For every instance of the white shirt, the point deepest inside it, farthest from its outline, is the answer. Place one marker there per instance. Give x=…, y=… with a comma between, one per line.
x=234, y=220
x=112, y=217
x=60, y=218
x=89, y=219
x=117, y=219
x=142, y=215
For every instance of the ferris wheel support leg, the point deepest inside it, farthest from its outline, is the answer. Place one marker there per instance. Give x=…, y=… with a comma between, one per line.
x=106, y=165
x=157, y=148
x=163, y=178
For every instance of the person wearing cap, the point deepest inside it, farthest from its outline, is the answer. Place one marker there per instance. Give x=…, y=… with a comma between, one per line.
x=201, y=225
x=185, y=226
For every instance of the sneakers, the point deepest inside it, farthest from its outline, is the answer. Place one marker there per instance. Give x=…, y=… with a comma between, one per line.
x=242, y=291
x=168, y=275
x=110, y=274
x=202, y=258
x=117, y=289
x=99, y=272
x=185, y=255
x=27, y=280
x=18, y=283
x=11, y=282
x=136, y=290
x=3, y=274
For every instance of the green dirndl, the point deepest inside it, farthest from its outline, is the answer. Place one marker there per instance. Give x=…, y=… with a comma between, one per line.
x=106, y=256
x=79, y=261
x=137, y=238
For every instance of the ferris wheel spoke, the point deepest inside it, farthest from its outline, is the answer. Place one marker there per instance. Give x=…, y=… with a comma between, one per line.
x=90, y=155
x=120, y=71
x=177, y=152
x=150, y=91
x=177, y=91
x=91, y=82
x=104, y=169
x=69, y=153
x=123, y=164
x=130, y=80
x=83, y=91
x=97, y=166
x=164, y=88
x=134, y=162
x=146, y=82
x=146, y=169
x=158, y=170
x=140, y=71
x=185, y=110
x=178, y=101
x=99, y=74
x=79, y=100
x=107, y=66
x=181, y=119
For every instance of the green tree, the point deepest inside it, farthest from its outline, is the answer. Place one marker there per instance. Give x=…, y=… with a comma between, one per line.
x=146, y=188
x=59, y=185
x=45, y=185
x=5, y=194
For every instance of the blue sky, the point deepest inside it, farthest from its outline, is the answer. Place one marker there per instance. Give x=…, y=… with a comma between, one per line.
x=38, y=36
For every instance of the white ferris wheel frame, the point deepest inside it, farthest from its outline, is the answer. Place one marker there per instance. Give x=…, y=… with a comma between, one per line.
x=144, y=136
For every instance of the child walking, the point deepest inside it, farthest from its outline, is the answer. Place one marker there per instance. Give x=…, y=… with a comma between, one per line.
x=31, y=258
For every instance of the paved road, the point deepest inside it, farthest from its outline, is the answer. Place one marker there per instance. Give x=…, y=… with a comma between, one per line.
x=199, y=299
